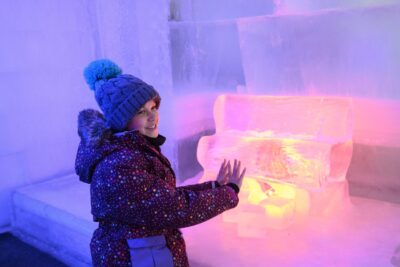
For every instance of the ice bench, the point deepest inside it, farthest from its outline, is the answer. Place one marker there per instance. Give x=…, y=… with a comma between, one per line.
x=301, y=145
x=54, y=216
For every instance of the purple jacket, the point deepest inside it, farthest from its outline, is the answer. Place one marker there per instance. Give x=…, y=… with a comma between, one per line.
x=133, y=193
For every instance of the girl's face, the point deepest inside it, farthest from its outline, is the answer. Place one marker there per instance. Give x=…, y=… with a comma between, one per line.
x=146, y=120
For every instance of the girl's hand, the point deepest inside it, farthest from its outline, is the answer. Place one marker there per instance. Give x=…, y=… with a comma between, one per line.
x=223, y=173
x=228, y=175
x=236, y=176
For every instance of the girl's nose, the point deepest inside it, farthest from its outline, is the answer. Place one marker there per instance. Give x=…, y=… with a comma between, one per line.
x=152, y=116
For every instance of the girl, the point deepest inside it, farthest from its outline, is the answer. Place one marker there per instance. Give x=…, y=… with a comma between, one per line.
x=132, y=185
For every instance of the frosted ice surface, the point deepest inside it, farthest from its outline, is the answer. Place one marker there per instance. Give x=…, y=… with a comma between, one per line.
x=302, y=6
x=301, y=140
x=296, y=151
x=346, y=52
x=318, y=117
x=205, y=56
x=301, y=162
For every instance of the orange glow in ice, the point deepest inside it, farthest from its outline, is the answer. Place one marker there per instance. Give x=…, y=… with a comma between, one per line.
x=256, y=194
x=277, y=200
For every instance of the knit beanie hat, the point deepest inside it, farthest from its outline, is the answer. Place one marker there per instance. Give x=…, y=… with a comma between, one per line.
x=118, y=95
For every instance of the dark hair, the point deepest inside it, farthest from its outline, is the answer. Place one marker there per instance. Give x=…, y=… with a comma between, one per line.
x=157, y=99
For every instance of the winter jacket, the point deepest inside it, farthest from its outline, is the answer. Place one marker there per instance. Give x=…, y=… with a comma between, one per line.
x=133, y=193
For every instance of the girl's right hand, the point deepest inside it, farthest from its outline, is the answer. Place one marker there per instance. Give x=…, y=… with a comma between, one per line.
x=223, y=173
x=236, y=175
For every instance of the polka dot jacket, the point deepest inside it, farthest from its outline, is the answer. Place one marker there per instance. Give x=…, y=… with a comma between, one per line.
x=133, y=193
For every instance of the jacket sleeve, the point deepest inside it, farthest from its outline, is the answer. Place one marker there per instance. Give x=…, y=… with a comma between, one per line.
x=133, y=195
x=197, y=187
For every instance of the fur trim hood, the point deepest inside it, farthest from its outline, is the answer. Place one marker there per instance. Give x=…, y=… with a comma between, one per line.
x=96, y=143
x=92, y=127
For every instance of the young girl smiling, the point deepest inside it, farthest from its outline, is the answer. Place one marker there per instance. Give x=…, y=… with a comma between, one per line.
x=134, y=197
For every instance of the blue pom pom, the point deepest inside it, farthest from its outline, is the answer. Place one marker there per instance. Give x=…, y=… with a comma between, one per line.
x=102, y=69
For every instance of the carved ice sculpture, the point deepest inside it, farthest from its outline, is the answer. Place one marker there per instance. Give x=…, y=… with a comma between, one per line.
x=296, y=150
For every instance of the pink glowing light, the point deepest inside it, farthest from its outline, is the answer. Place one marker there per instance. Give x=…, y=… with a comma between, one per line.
x=296, y=150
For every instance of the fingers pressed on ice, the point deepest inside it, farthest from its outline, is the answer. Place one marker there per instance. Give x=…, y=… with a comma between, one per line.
x=243, y=172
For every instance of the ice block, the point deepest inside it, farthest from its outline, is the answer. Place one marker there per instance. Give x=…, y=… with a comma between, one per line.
x=290, y=160
x=285, y=204
x=276, y=207
x=308, y=117
x=296, y=151
x=292, y=127
x=343, y=52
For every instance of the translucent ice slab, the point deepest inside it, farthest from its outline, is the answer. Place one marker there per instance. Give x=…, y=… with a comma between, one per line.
x=307, y=117
x=283, y=205
x=260, y=209
x=305, y=141
x=300, y=162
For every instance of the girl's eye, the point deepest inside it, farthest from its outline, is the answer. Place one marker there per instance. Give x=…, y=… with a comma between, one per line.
x=154, y=108
x=141, y=112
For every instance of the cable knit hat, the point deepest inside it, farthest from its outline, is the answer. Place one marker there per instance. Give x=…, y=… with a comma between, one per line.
x=119, y=95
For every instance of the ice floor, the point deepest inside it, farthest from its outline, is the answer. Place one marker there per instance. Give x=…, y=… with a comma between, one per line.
x=366, y=233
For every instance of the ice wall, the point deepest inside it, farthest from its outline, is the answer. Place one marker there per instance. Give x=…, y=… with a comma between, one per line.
x=44, y=46
x=341, y=52
x=340, y=48
x=304, y=6
x=210, y=10
x=205, y=62
x=205, y=57
x=141, y=46
x=333, y=47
